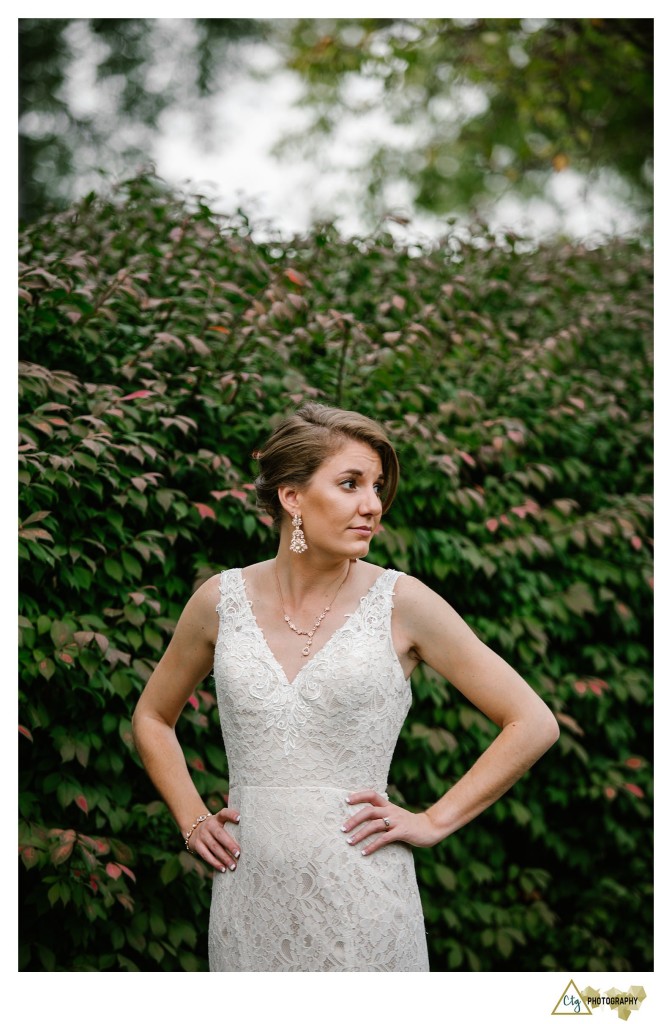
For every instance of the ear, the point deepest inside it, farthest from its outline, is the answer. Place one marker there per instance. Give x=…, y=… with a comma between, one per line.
x=289, y=498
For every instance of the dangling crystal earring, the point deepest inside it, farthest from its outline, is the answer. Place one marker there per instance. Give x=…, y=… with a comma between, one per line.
x=298, y=542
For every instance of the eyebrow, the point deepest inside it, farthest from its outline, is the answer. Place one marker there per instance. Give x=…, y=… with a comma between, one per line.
x=358, y=472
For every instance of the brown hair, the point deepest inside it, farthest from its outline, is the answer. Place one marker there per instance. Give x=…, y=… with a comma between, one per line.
x=300, y=444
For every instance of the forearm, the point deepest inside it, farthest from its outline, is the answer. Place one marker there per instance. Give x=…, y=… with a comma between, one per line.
x=164, y=762
x=508, y=757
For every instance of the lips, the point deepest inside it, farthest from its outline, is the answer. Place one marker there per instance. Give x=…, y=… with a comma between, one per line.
x=366, y=531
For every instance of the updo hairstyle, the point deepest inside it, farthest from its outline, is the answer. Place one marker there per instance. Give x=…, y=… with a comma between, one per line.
x=301, y=443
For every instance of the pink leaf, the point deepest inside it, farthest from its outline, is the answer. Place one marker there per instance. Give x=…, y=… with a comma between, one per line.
x=127, y=871
x=25, y=732
x=204, y=511
x=136, y=394
x=631, y=762
x=466, y=457
x=219, y=494
x=80, y=800
x=609, y=792
x=194, y=702
x=492, y=525
x=636, y=542
x=296, y=277
x=580, y=687
x=239, y=494
x=635, y=790
x=113, y=870
x=266, y=520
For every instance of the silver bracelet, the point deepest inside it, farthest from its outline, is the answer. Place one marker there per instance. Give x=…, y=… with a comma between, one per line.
x=193, y=829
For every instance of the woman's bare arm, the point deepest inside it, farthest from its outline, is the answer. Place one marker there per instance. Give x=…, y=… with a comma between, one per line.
x=186, y=662
x=427, y=626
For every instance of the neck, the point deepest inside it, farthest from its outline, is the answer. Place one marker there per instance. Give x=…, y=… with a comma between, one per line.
x=308, y=577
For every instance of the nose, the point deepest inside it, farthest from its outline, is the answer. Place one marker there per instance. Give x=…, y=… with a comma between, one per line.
x=371, y=503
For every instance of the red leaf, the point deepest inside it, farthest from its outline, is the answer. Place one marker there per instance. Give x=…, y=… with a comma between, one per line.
x=25, y=732
x=28, y=855
x=136, y=394
x=492, y=525
x=127, y=871
x=631, y=762
x=61, y=853
x=580, y=687
x=635, y=790
x=636, y=542
x=609, y=792
x=81, y=803
x=194, y=702
x=197, y=764
x=219, y=494
x=569, y=722
x=466, y=457
x=296, y=277
x=113, y=870
x=222, y=330
x=204, y=511
x=239, y=494
x=266, y=520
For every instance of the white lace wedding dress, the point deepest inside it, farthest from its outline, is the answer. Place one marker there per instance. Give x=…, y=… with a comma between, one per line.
x=301, y=898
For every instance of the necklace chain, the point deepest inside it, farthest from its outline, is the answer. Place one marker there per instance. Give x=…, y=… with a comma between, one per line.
x=310, y=633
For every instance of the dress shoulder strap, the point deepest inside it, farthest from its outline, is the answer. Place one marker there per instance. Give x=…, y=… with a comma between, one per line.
x=388, y=580
x=227, y=579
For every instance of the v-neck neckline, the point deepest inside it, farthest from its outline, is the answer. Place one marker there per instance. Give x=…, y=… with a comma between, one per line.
x=276, y=661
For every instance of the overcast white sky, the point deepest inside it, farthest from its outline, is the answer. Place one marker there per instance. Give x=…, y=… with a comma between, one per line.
x=222, y=145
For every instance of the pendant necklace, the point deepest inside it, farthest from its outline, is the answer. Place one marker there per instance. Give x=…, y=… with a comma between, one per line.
x=310, y=633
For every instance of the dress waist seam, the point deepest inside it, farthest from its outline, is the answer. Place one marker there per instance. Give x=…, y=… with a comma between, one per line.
x=315, y=785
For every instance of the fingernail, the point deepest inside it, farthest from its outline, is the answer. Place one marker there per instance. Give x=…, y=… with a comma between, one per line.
x=238, y=819
x=364, y=853
x=223, y=870
x=343, y=828
x=347, y=799
x=236, y=853
x=350, y=840
x=232, y=867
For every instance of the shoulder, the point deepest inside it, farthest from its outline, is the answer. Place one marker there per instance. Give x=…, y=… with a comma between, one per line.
x=423, y=613
x=200, y=610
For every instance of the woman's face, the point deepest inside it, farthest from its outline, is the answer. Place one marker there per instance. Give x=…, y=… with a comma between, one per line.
x=341, y=505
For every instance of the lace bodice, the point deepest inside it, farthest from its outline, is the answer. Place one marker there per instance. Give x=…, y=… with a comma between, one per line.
x=338, y=721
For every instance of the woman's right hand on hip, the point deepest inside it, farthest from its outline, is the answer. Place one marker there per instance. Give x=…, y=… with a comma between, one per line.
x=214, y=843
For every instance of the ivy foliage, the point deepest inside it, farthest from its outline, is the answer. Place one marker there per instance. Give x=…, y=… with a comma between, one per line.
x=160, y=344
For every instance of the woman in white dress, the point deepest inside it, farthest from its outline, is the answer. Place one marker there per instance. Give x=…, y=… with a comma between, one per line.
x=312, y=654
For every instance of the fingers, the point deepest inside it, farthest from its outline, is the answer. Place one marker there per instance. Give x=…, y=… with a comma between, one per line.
x=372, y=819
x=215, y=844
x=366, y=814
x=370, y=796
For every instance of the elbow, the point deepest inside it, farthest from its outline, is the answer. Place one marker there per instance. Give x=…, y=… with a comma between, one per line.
x=550, y=730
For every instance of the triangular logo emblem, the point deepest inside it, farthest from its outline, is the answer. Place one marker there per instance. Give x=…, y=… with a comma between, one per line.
x=571, y=1002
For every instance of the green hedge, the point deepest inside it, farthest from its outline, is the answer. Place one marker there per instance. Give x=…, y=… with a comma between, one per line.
x=159, y=345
